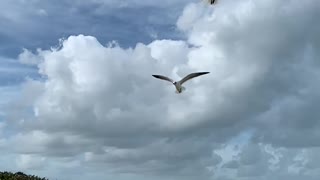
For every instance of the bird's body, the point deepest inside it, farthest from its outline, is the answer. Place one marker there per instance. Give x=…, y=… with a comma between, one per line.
x=178, y=84
x=179, y=87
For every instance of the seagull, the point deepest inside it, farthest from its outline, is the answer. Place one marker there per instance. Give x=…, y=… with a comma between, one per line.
x=212, y=1
x=178, y=84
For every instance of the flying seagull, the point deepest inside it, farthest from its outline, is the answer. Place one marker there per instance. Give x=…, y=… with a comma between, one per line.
x=212, y=1
x=178, y=84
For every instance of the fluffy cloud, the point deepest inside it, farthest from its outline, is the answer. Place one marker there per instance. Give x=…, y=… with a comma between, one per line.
x=101, y=105
x=26, y=161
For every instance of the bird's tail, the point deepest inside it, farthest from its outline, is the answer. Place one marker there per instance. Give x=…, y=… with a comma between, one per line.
x=182, y=89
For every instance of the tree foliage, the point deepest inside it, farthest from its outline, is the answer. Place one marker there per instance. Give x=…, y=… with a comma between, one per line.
x=19, y=176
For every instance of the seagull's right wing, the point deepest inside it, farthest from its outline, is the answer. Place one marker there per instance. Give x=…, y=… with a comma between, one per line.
x=163, y=78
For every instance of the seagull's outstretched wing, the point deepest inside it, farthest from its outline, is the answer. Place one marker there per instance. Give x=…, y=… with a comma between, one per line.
x=163, y=78
x=192, y=75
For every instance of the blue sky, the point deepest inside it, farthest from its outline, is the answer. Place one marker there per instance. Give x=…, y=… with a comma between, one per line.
x=37, y=24
x=77, y=99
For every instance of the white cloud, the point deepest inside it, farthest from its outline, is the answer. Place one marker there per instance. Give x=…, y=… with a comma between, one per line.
x=26, y=161
x=27, y=57
x=102, y=104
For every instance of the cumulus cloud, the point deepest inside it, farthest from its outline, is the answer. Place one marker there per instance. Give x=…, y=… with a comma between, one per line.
x=27, y=57
x=102, y=104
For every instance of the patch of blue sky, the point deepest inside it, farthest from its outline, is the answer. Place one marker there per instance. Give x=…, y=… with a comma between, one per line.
x=8, y=94
x=12, y=76
x=7, y=162
x=126, y=25
x=12, y=72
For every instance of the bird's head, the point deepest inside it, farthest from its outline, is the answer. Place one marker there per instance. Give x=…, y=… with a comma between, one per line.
x=174, y=83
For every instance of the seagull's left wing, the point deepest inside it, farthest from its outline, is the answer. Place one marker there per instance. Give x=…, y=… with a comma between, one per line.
x=192, y=75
